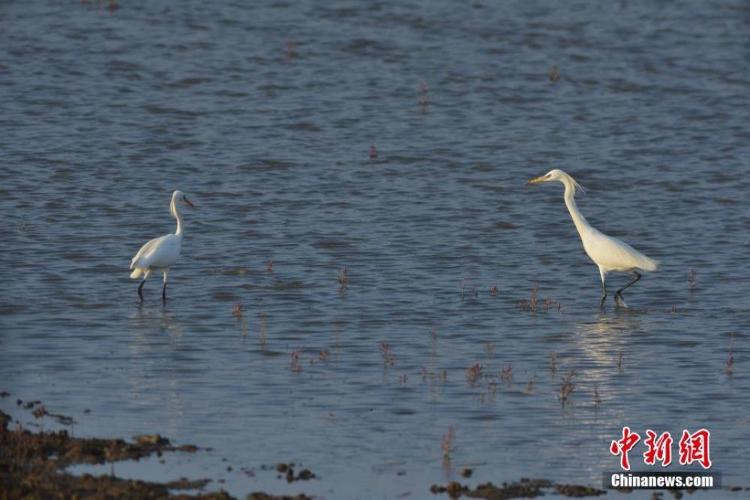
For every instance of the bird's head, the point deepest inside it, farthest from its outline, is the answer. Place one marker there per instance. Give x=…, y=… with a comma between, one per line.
x=553, y=175
x=557, y=175
x=179, y=197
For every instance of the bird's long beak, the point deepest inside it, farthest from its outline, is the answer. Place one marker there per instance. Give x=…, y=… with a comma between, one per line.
x=536, y=180
x=190, y=203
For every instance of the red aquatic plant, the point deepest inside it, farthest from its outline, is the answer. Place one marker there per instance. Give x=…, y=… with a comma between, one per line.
x=531, y=303
x=554, y=73
x=447, y=442
x=423, y=94
x=729, y=368
x=553, y=362
x=291, y=49
x=294, y=362
x=473, y=373
x=692, y=279
x=385, y=352
x=566, y=387
x=597, y=398
x=343, y=279
x=506, y=374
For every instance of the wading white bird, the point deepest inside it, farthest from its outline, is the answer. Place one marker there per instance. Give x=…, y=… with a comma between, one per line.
x=160, y=253
x=610, y=254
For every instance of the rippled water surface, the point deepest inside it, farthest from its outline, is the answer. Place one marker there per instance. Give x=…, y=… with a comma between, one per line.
x=264, y=114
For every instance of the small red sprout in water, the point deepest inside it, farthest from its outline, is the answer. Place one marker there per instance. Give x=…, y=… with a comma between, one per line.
x=424, y=97
x=385, y=351
x=343, y=279
x=238, y=309
x=553, y=362
x=550, y=303
x=692, y=279
x=554, y=73
x=567, y=387
x=491, y=392
x=263, y=333
x=447, y=443
x=493, y=291
x=373, y=152
x=729, y=368
x=291, y=50
x=113, y=5
x=506, y=374
x=269, y=266
x=531, y=304
x=323, y=355
x=433, y=333
x=294, y=363
x=402, y=379
x=529, y=389
x=464, y=288
x=730, y=364
x=473, y=372
x=619, y=360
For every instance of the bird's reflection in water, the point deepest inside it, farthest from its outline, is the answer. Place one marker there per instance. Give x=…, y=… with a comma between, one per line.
x=150, y=324
x=609, y=326
x=149, y=320
x=603, y=339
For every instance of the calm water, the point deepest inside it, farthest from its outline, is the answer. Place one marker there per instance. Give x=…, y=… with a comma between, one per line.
x=264, y=113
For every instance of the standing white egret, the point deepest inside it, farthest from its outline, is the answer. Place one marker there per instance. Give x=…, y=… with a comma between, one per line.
x=609, y=253
x=160, y=253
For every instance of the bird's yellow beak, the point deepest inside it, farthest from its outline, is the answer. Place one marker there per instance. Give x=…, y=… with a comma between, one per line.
x=536, y=180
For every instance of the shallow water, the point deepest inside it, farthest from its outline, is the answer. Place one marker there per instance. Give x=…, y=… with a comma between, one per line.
x=264, y=115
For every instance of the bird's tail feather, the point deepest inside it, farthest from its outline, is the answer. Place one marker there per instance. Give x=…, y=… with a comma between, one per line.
x=648, y=264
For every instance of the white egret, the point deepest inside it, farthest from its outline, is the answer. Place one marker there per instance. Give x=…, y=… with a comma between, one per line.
x=610, y=254
x=160, y=253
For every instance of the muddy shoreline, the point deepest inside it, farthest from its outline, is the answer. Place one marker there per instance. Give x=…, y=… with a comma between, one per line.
x=32, y=466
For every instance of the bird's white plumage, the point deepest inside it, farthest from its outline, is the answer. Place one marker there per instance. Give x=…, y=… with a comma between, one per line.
x=610, y=254
x=159, y=254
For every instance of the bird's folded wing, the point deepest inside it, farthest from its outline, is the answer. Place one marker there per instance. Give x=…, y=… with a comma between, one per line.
x=145, y=251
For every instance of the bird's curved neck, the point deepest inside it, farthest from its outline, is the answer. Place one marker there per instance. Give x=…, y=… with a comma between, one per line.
x=579, y=220
x=177, y=215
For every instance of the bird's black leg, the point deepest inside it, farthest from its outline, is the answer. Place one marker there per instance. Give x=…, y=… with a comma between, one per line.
x=140, y=289
x=618, y=295
x=604, y=287
x=164, y=292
